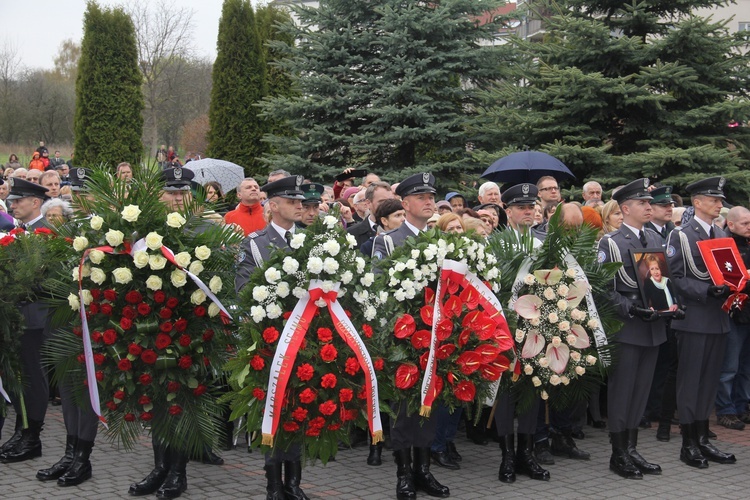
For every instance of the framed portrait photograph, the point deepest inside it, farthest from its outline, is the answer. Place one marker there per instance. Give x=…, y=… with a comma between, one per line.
x=654, y=279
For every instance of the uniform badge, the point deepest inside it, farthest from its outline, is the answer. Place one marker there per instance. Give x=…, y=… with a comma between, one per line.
x=645, y=183
x=377, y=255
x=601, y=256
x=525, y=189
x=670, y=251
x=300, y=180
x=722, y=180
x=81, y=172
x=12, y=181
x=177, y=174
x=425, y=177
x=241, y=256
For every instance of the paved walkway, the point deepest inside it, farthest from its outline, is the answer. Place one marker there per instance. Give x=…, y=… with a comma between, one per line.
x=350, y=478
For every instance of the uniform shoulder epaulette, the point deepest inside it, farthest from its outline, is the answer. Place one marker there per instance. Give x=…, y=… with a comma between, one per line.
x=255, y=234
x=677, y=228
x=390, y=231
x=648, y=229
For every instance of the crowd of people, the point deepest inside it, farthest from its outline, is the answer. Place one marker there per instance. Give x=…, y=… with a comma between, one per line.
x=678, y=351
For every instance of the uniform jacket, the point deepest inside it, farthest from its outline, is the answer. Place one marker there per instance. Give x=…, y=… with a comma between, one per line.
x=396, y=236
x=256, y=249
x=362, y=231
x=35, y=314
x=704, y=313
x=668, y=226
x=623, y=295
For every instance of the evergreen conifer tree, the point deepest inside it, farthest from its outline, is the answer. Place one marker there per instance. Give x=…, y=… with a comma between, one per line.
x=384, y=84
x=108, y=122
x=239, y=83
x=619, y=90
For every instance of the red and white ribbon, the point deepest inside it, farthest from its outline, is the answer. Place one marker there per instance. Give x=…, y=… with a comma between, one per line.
x=458, y=272
x=286, y=353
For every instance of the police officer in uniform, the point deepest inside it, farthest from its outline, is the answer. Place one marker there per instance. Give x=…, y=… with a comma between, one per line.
x=285, y=197
x=663, y=387
x=418, y=197
x=639, y=339
x=519, y=205
x=311, y=204
x=26, y=199
x=80, y=420
x=702, y=335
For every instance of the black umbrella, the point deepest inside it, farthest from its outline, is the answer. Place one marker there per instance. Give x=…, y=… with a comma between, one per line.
x=526, y=166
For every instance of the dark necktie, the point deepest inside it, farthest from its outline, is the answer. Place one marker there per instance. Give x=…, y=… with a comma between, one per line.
x=711, y=233
x=22, y=226
x=288, y=238
x=664, y=232
x=642, y=237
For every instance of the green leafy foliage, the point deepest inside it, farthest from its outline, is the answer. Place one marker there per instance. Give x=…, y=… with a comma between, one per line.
x=383, y=84
x=109, y=102
x=239, y=83
x=619, y=90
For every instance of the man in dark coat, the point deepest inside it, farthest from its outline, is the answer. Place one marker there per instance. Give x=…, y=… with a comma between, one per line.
x=702, y=335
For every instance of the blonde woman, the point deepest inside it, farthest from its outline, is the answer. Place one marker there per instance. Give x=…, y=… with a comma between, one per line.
x=611, y=216
x=450, y=223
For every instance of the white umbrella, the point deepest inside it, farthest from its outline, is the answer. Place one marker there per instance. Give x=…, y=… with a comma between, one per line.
x=226, y=173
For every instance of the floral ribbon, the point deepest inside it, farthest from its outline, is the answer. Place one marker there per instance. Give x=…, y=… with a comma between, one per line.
x=288, y=346
x=458, y=272
x=600, y=338
x=2, y=391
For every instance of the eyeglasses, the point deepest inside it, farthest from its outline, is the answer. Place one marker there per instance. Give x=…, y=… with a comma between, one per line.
x=551, y=188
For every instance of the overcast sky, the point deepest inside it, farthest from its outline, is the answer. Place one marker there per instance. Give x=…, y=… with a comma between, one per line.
x=37, y=27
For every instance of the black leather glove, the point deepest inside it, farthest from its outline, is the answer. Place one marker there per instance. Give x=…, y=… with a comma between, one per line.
x=679, y=313
x=719, y=292
x=645, y=314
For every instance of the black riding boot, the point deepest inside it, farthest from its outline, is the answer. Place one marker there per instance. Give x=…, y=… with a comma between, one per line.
x=156, y=477
x=176, y=481
x=374, y=458
x=620, y=462
x=405, y=489
x=640, y=462
x=423, y=478
x=564, y=445
x=292, y=480
x=690, y=453
x=708, y=450
x=80, y=469
x=526, y=462
x=28, y=447
x=507, y=473
x=62, y=465
x=274, y=483
x=15, y=438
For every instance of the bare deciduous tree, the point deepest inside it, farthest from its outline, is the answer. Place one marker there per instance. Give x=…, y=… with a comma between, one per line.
x=165, y=48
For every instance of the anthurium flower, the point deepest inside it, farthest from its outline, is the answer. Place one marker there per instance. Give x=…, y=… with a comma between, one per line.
x=404, y=327
x=533, y=345
x=492, y=371
x=421, y=339
x=488, y=352
x=529, y=306
x=558, y=357
x=468, y=362
x=576, y=293
x=406, y=376
x=548, y=276
x=452, y=306
x=445, y=351
x=465, y=391
x=582, y=338
x=426, y=313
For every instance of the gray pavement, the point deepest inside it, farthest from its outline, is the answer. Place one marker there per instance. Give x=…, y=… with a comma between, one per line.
x=350, y=478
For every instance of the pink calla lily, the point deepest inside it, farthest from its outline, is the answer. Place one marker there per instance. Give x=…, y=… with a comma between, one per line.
x=582, y=338
x=529, y=306
x=548, y=276
x=533, y=345
x=558, y=357
x=577, y=293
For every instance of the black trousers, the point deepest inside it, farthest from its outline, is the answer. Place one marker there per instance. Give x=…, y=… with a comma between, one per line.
x=701, y=356
x=505, y=410
x=36, y=386
x=409, y=431
x=80, y=421
x=629, y=385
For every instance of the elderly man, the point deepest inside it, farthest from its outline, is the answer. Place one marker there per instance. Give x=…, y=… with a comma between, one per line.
x=26, y=201
x=418, y=195
x=592, y=190
x=285, y=198
x=374, y=195
x=702, y=335
x=277, y=175
x=638, y=340
x=249, y=213
x=489, y=192
x=51, y=181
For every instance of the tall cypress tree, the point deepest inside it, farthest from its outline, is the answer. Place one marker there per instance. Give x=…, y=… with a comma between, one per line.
x=239, y=82
x=383, y=84
x=108, y=122
x=619, y=90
